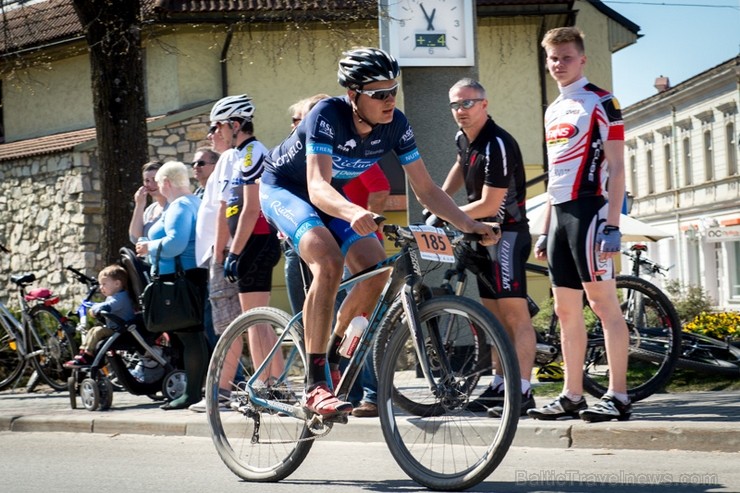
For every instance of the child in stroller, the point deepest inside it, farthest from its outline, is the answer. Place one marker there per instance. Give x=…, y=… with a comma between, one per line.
x=124, y=355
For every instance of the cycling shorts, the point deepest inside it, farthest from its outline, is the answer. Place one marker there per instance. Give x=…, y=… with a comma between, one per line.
x=254, y=267
x=294, y=217
x=572, y=254
x=503, y=265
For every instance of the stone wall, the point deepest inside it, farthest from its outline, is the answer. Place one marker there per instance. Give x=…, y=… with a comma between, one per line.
x=51, y=209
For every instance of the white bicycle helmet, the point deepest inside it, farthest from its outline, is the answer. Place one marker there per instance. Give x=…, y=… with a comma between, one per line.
x=365, y=65
x=233, y=107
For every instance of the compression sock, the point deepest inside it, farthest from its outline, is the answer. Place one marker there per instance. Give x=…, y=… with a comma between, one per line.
x=316, y=370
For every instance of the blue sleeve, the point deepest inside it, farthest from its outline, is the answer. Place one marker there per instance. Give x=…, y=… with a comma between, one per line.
x=179, y=223
x=406, y=149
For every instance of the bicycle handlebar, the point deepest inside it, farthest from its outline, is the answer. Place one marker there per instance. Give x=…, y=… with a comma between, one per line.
x=81, y=277
x=651, y=264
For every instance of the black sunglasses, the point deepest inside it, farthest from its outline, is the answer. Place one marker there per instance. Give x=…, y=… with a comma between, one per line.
x=380, y=94
x=465, y=104
x=200, y=163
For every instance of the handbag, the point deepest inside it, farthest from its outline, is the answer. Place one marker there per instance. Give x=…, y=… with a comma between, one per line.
x=171, y=305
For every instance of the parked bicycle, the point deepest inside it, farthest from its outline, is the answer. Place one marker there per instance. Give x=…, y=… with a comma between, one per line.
x=654, y=327
x=41, y=338
x=698, y=351
x=262, y=433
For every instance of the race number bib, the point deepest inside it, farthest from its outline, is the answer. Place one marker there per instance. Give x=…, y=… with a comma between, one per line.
x=433, y=244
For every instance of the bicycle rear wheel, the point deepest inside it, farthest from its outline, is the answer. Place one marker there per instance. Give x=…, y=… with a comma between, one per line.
x=255, y=442
x=11, y=361
x=54, y=344
x=655, y=341
x=451, y=448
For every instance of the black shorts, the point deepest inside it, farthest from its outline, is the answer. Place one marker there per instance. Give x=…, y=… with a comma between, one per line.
x=259, y=257
x=503, y=265
x=572, y=256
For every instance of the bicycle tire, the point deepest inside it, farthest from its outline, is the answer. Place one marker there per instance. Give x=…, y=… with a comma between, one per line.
x=11, y=360
x=655, y=341
x=471, y=355
x=424, y=447
x=55, y=344
x=282, y=442
x=705, y=354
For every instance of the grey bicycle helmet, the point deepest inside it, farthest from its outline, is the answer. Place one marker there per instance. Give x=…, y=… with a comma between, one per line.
x=365, y=65
x=233, y=107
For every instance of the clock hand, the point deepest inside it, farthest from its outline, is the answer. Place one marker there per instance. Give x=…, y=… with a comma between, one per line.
x=430, y=26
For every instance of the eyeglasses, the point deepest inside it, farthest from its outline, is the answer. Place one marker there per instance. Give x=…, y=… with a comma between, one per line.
x=380, y=94
x=465, y=104
x=212, y=129
x=215, y=125
x=200, y=163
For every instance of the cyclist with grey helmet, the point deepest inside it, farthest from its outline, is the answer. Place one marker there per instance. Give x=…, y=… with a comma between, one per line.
x=301, y=194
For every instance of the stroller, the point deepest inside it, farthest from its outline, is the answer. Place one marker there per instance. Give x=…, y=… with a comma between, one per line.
x=138, y=361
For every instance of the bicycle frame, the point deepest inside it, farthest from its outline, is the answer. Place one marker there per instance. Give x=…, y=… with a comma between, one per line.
x=404, y=281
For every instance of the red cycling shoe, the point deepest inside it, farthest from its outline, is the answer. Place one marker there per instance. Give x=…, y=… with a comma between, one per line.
x=323, y=402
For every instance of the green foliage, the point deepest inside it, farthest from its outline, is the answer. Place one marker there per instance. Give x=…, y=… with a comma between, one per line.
x=690, y=301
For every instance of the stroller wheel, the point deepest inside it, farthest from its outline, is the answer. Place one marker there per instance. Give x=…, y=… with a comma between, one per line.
x=174, y=384
x=90, y=394
x=105, y=387
x=72, y=388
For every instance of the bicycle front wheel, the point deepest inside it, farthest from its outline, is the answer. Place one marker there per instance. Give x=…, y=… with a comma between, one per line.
x=655, y=341
x=11, y=360
x=451, y=448
x=50, y=339
x=255, y=442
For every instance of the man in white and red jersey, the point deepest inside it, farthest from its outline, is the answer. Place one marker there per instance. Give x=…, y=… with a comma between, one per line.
x=585, y=149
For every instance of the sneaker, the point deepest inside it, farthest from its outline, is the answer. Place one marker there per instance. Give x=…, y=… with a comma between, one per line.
x=323, y=402
x=80, y=360
x=366, y=410
x=223, y=402
x=489, y=398
x=606, y=409
x=559, y=408
x=527, y=404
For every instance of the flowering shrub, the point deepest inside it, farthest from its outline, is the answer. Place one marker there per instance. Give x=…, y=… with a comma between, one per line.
x=717, y=325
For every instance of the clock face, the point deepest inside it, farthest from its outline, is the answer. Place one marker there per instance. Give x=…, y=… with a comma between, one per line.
x=431, y=32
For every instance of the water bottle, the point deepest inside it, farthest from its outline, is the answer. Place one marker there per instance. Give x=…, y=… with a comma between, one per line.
x=352, y=336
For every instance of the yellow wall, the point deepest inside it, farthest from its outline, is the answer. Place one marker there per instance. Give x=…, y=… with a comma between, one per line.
x=48, y=99
x=599, y=60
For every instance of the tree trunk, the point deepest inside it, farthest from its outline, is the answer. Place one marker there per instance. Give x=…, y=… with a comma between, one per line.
x=112, y=30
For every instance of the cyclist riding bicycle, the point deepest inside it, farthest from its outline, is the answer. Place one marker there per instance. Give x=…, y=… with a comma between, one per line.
x=300, y=193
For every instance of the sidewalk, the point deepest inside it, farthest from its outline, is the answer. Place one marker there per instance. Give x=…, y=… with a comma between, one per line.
x=699, y=421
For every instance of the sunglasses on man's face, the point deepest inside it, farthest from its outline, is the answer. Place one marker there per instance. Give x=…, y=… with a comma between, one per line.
x=380, y=94
x=200, y=163
x=464, y=104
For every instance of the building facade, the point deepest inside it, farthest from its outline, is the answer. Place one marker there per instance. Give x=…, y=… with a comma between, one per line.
x=197, y=52
x=681, y=161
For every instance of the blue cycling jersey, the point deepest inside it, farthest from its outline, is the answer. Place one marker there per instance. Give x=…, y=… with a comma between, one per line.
x=328, y=129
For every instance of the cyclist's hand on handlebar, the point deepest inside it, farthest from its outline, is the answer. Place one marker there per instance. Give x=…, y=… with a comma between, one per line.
x=486, y=231
x=363, y=222
x=540, y=248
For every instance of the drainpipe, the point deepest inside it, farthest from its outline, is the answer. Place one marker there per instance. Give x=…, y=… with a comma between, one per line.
x=677, y=196
x=223, y=61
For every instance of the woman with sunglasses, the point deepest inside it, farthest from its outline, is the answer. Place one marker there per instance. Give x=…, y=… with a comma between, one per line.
x=300, y=193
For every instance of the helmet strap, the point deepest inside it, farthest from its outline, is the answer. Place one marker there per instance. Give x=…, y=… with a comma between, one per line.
x=356, y=111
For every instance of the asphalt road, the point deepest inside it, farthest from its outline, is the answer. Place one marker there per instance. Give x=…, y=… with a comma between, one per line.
x=76, y=462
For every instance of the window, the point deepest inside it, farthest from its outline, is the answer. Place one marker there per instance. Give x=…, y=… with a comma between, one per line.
x=708, y=158
x=687, y=178
x=731, y=150
x=667, y=169
x=733, y=255
x=650, y=172
x=633, y=175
